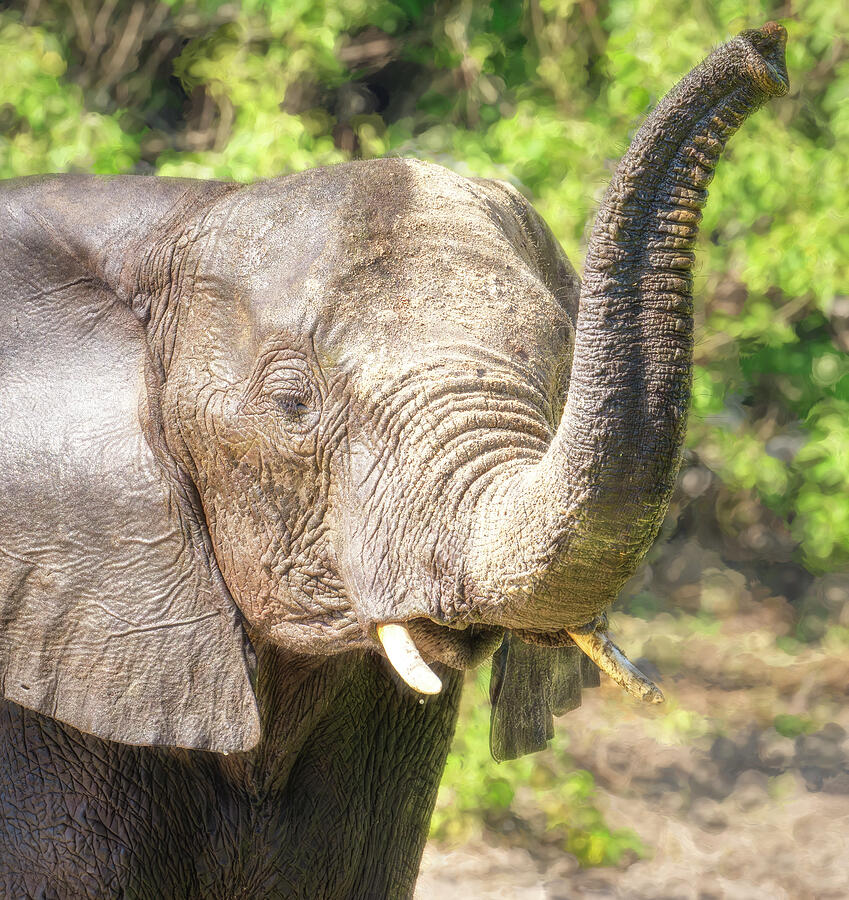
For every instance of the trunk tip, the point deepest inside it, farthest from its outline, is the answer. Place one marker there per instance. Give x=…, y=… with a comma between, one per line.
x=776, y=32
x=766, y=64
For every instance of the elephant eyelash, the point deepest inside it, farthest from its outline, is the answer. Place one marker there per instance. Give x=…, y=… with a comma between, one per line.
x=291, y=402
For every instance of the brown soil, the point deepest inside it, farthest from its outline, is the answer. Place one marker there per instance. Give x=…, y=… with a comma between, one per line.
x=729, y=806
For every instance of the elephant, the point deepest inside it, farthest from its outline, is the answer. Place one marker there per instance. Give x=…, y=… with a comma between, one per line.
x=280, y=460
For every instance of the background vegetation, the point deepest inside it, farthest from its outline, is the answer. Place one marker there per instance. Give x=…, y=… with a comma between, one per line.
x=545, y=94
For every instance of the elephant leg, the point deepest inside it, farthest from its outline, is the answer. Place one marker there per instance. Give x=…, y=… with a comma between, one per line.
x=361, y=792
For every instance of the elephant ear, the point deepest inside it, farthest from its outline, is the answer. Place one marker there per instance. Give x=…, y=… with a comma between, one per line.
x=113, y=615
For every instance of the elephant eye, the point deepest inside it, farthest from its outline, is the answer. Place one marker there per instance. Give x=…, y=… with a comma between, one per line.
x=282, y=386
x=293, y=403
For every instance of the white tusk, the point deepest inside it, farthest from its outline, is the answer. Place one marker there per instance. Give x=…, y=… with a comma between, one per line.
x=406, y=659
x=613, y=662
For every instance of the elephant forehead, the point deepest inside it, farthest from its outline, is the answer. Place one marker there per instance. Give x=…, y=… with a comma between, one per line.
x=443, y=272
x=381, y=259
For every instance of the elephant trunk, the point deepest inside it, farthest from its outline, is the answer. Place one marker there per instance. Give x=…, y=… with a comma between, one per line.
x=555, y=544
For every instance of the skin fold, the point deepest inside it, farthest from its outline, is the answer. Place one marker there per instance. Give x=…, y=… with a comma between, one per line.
x=247, y=426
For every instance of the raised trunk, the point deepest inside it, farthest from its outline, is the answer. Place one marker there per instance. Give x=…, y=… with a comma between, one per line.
x=556, y=544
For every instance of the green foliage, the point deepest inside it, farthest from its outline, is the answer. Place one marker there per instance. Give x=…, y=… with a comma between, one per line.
x=793, y=726
x=44, y=123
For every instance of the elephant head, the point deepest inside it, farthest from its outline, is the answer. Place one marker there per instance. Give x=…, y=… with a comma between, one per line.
x=358, y=404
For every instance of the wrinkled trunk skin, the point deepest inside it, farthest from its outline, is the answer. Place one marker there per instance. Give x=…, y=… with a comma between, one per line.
x=559, y=541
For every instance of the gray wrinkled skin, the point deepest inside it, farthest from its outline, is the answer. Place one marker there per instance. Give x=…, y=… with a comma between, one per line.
x=333, y=802
x=245, y=425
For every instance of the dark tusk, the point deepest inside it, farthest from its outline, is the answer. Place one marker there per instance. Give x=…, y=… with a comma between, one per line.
x=612, y=661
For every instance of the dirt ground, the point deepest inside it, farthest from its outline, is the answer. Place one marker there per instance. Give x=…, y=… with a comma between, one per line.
x=730, y=804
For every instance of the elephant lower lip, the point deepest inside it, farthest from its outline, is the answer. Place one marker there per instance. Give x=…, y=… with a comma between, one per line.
x=459, y=649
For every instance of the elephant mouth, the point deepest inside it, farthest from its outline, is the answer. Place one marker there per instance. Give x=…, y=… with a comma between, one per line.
x=459, y=648
x=411, y=645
